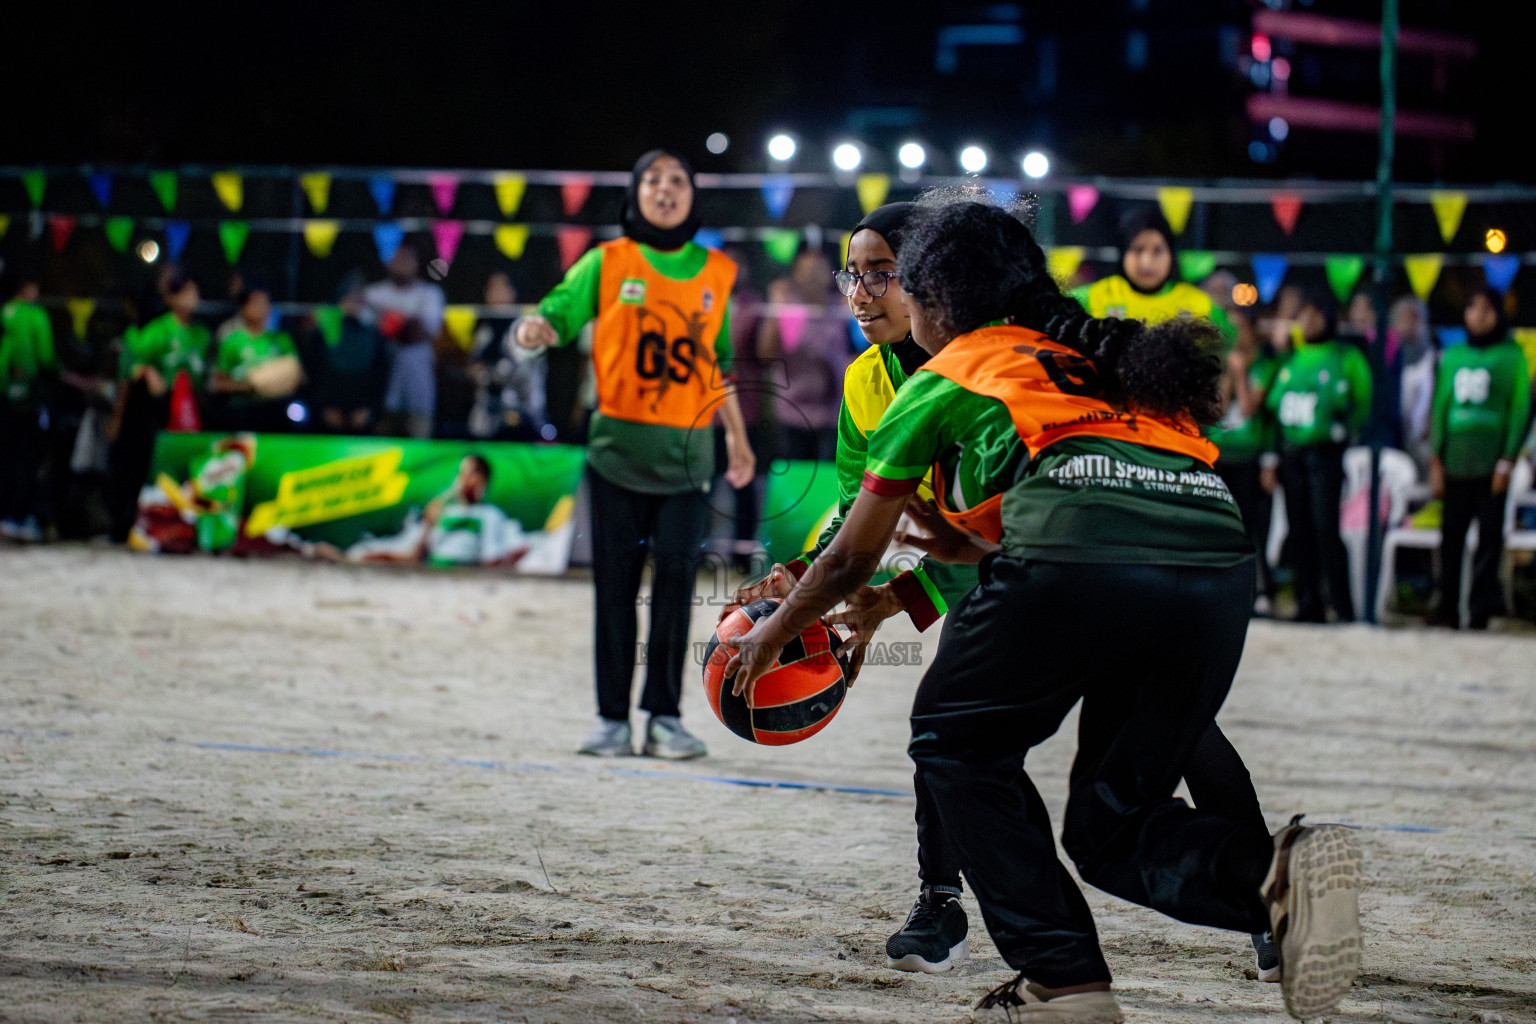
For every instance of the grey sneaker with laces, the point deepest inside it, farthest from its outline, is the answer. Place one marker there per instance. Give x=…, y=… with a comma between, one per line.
x=610, y=739
x=665, y=737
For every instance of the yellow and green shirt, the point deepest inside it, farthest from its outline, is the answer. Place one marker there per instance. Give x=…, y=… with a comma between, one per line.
x=1115, y=296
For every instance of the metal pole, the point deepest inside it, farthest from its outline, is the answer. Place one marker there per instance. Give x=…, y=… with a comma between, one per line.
x=1380, y=400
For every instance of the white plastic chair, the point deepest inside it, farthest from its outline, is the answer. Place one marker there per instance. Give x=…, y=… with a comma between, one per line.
x=1399, y=484
x=1522, y=494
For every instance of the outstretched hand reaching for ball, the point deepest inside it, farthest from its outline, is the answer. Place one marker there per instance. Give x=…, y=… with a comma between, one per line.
x=778, y=583
x=867, y=607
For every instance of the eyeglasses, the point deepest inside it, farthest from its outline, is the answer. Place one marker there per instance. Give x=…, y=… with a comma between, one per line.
x=876, y=282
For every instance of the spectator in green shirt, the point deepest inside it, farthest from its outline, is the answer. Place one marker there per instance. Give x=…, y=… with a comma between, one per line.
x=246, y=391
x=153, y=356
x=27, y=361
x=1321, y=397
x=1482, y=403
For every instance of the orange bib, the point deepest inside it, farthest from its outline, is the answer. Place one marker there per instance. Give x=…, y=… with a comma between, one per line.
x=654, y=346
x=1052, y=393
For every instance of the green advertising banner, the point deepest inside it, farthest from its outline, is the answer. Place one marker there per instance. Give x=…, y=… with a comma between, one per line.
x=799, y=502
x=364, y=499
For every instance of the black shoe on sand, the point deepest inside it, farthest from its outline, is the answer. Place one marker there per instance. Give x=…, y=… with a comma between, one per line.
x=1313, y=895
x=933, y=937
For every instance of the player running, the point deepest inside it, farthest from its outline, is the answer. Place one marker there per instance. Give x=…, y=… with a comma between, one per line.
x=1116, y=572
x=662, y=355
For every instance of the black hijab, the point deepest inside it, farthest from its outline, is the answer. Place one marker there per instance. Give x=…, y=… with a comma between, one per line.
x=642, y=230
x=1148, y=218
x=1500, y=327
x=888, y=221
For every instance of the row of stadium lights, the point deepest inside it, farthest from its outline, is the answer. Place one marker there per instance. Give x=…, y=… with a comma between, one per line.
x=913, y=156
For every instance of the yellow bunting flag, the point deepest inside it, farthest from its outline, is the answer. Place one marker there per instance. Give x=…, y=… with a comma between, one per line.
x=511, y=239
x=80, y=311
x=1176, y=202
x=873, y=189
x=1448, y=207
x=1423, y=271
x=320, y=236
x=5, y=224
x=460, y=321
x=317, y=187
x=231, y=189
x=847, y=237
x=1063, y=261
x=509, y=193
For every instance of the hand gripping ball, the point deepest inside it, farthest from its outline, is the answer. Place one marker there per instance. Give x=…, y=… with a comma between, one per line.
x=791, y=701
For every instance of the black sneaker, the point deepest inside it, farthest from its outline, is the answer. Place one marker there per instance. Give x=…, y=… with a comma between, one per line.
x=933, y=937
x=1268, y=955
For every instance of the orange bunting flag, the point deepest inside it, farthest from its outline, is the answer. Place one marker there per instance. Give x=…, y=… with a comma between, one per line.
x=1287, y=210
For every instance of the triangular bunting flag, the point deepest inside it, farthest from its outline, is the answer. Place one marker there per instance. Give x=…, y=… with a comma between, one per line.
x=1343, y=273
x=1423, y=271
x=460, y=322
x=709, y=238
x=382, y=188
x=1500, y=271
x=777, y=192
x=1195, y=265
x=101, y=184
x=782, y=244
x=843, y=244
x=512, y=239
x=164, y=184
x=1269, y=273
x=1063, y=260
x=509, y=193
x=119, y=232
x=574, y=193
x=445, y=189
x=317, y=187
x=320, y=236
x=176, y=234
x=1287, y=211
x=80, y=311
x=1176, y=201
x=447, y=234
x=231, y=190
x=573, y=242
x=61, y=227
x=328, y=319
x=36, y=183
x=387, y=238
x=872, y=189
x=5, y=224
x=1448, y=207
x=1081, y=199
x=232, y=236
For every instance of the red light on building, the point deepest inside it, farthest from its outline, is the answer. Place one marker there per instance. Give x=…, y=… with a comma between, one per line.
x=1262, y=51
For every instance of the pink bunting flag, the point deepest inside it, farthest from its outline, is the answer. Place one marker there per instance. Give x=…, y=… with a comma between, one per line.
x=573, y=242
x=574, y=193
x=1287, y=210
x=61, y=227
x=444, y=188
x=792, y=320
x=447, y=234
x=1081, y=199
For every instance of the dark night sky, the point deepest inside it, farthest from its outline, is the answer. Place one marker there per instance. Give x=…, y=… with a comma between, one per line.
x=567, y=85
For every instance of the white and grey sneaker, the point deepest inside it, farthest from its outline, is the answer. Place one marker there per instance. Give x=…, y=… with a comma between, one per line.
x=665, y=737
x=610, y=739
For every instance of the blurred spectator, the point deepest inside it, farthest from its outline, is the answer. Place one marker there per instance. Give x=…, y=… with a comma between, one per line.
x=757, y=382
x=256, y=371
x=1482, y=401
x=1321, y=397
x=410, y=315
x=808, y=335
x=170, y=352
x=509, y=379
x=237, y=288
x=1418, y=356
x=83, y=420
x=347, y=363
x=28, y=366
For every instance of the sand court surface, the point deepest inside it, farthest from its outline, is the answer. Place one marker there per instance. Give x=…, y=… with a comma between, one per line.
x=295, y=791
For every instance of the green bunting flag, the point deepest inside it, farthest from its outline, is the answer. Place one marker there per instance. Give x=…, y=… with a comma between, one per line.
x=328, y=319
x=1343, y=273
x=119, y=231
x=1195, y=265
x=164, y=184
x=782, y=244
x=232, y=236
x=36, y=183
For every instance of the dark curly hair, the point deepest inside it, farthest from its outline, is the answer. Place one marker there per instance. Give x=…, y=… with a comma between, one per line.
x=977, y=263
